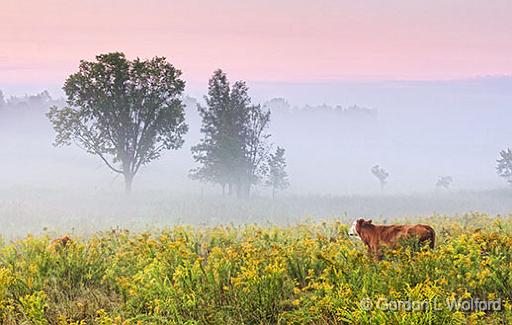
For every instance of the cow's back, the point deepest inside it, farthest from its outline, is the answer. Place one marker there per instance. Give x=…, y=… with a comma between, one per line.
x=390, y=234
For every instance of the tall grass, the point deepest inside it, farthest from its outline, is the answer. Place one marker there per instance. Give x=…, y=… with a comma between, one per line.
x=308, y=273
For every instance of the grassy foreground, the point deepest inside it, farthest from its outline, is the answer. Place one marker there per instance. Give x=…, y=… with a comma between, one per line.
x=311, y=273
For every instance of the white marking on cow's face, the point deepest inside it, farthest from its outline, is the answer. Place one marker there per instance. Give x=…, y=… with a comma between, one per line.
x=352, y=232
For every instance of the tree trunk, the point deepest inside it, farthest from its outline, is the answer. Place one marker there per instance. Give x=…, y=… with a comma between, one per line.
x=128, y=179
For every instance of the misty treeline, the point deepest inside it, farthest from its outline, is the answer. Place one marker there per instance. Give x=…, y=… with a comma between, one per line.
x=42, y=99
x=280, y=104
x=128, y=112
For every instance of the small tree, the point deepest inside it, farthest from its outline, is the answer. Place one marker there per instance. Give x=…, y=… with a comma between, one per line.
x=444, y=182
x=256, y=147
x=125, y=112
x=504, y=168
x=381, y=175
x=277, y=178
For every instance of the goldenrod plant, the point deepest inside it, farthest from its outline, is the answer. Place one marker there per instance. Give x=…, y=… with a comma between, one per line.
x=303, y=274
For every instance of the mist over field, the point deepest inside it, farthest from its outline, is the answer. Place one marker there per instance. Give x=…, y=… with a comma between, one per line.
x=333, y=133
x=255, y=162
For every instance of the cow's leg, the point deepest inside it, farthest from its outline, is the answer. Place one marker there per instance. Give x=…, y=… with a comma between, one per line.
x=427, y=239
x=379, y=255
x=375, y=251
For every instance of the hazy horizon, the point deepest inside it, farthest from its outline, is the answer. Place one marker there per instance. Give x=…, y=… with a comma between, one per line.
x=436, y=77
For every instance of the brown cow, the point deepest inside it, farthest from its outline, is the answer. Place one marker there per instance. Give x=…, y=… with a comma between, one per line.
x=376, y=236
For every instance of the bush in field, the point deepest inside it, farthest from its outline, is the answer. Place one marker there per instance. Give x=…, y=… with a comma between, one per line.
x=310, y=273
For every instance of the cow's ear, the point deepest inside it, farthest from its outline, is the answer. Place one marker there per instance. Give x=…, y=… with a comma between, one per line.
x=360, y=221
x=369, y=221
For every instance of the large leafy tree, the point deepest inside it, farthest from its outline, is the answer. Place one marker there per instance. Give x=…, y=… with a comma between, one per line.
x=124, y=112
x=234, y=144
x=504, y=168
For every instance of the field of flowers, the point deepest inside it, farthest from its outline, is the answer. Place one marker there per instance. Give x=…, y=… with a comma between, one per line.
x=309, y=273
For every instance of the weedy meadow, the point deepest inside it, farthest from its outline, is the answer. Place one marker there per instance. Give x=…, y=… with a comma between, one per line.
x=310, y=273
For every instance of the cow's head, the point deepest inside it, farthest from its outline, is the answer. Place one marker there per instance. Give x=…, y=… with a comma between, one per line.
x=355, y=229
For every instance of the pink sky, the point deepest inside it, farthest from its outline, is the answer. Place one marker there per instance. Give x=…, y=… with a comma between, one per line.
x=289, y=40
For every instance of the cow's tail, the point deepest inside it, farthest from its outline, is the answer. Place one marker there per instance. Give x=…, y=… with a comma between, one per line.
x=432, y=237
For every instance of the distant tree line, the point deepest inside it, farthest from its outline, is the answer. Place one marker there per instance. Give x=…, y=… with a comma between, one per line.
x=282, y=106
x=41, y=99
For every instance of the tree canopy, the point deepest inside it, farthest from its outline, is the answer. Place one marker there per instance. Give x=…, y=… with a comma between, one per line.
x=125, y=112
